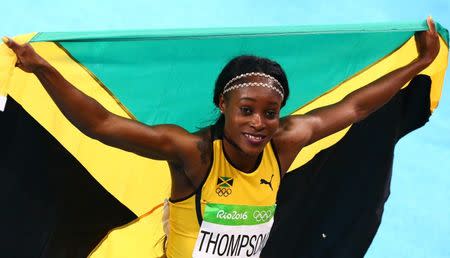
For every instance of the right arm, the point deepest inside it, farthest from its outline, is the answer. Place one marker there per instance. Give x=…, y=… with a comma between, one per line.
x=164, y=142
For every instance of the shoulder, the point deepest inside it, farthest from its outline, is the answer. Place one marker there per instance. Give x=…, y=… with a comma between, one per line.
x=197, y=161
x=292, y=135
x=189, y=174
x=293, y=130
x=204, y=139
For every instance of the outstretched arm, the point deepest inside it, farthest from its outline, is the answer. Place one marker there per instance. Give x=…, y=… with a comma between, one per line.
x=166, y=142
x=302, y=130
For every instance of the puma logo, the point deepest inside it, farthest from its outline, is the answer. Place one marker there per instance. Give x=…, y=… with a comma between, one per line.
x=265, y=182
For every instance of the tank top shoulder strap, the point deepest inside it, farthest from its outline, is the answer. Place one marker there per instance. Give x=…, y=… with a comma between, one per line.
x=275, y=153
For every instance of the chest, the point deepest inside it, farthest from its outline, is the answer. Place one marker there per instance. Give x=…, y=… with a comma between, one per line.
x=226, y=185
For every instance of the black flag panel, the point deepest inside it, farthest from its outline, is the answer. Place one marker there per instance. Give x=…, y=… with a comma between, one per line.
x=332, y=206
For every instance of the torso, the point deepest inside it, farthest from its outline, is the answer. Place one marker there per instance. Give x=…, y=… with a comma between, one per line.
x=224, y=185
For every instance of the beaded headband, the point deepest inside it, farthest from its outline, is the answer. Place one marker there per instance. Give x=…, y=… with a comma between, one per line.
x=278, y=89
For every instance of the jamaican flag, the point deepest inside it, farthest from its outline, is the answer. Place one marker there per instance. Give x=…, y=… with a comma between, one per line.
x=67, y=195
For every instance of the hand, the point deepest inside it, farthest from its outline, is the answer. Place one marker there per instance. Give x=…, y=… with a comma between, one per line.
x=427, y=43
x=27, y=59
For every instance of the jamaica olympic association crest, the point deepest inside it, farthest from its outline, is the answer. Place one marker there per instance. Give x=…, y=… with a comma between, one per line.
x=224, y=185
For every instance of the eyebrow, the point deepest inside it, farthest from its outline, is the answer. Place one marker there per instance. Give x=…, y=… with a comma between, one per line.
x=247, y=98
x=253, y=100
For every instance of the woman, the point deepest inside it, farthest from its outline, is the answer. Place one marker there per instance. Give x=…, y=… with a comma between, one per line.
x=225, y=178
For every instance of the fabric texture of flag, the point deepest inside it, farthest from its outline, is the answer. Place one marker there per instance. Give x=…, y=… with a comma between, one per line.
x=71, y=196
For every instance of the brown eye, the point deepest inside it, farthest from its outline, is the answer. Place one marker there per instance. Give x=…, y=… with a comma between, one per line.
x=246, y=111
x=271, y=114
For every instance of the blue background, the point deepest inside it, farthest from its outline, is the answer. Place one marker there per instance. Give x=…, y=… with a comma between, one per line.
x=416, y=222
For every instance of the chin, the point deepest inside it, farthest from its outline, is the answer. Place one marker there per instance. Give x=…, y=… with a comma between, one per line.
x=251, y=150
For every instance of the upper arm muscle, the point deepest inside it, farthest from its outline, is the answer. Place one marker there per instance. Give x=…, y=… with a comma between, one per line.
x=298, y=131
x=319, y=123
x=163, y=142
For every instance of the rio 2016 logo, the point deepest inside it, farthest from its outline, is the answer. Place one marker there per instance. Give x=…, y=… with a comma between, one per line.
x=233, y=215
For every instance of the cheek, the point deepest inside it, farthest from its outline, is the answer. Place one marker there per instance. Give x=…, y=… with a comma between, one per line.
x=237, y=119
x=233, y=122
x=273, y=125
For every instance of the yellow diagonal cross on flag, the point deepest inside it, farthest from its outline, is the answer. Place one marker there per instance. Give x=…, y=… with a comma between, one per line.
x=225, y=181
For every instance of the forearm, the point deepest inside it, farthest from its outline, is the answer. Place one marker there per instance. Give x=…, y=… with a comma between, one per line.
x=80, y=109
x=371, y=97
x=163, y=142
x=166, y=142
x=359, y=104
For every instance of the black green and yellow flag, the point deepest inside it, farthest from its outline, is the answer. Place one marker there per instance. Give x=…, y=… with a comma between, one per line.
x=71, y=196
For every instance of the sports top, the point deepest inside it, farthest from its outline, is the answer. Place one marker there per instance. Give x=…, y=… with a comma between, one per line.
x=234, y=209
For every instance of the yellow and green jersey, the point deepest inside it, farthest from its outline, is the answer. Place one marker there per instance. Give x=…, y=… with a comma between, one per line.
x=231, y=213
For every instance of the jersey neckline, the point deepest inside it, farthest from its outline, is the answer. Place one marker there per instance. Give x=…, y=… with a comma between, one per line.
x=228, y=160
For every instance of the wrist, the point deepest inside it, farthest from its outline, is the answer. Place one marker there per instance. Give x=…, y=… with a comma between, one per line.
x=426, y=60
x=422, y=62
x=41, y=67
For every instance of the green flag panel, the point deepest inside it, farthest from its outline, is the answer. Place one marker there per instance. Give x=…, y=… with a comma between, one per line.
x=148, y=71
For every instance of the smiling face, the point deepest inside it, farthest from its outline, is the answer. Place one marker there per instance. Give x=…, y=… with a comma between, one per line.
x=251, y=118
x=250, y=92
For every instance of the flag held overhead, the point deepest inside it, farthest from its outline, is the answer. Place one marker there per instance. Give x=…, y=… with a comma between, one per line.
x=166, y=76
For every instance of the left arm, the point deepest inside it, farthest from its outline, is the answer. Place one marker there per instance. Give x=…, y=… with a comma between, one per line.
x=299, y=131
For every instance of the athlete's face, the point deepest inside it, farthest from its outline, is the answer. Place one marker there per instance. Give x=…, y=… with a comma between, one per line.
x=251, y=118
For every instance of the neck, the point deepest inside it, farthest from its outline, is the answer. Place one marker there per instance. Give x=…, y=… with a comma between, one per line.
x=238, y=158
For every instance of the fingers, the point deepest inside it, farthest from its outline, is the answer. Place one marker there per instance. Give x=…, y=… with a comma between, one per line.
x=19, y=63
x=14, y=46
x=431, y=25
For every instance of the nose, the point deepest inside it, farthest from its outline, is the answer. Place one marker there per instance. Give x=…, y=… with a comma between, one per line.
x=257, y=122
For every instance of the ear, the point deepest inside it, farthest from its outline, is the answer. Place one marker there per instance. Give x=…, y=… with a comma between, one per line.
x=222, y=104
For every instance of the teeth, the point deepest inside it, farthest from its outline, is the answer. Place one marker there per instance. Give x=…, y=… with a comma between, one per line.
x=257, y=138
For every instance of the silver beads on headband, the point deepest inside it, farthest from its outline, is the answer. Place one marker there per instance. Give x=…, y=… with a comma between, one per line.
x=279, y=89
x=254, y=84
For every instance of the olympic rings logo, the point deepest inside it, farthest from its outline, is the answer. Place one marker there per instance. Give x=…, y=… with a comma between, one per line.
x=262, y=215
x=223, y=191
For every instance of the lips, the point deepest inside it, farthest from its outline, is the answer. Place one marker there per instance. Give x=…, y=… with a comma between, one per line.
x=254, y=139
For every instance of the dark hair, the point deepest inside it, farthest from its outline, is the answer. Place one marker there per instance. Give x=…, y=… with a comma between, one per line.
x=246, y=64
